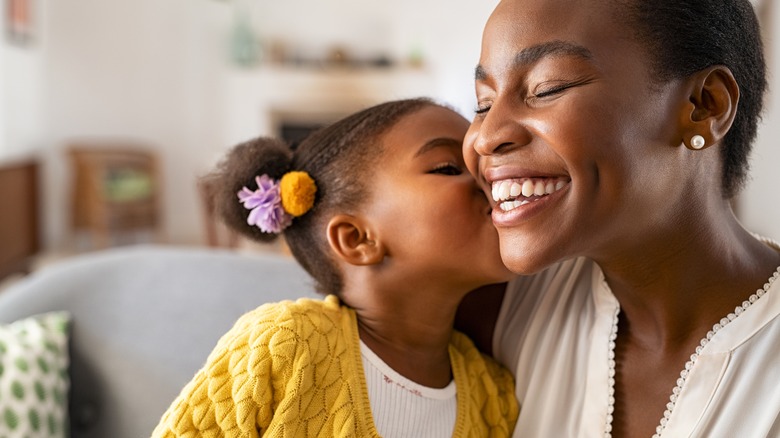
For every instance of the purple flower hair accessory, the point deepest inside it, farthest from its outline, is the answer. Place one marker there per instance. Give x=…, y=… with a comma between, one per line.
x=265, y=205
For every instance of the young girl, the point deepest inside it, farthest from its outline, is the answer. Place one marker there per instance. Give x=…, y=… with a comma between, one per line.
x=381, y=211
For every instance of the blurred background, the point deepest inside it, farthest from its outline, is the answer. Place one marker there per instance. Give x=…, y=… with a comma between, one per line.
x=111, y=109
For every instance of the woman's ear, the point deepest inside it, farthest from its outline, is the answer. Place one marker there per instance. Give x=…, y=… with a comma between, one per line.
x=353, y=241
x=713, y=98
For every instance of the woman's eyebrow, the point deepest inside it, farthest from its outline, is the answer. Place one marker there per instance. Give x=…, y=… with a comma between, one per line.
x=440, y=142
x=533, y=54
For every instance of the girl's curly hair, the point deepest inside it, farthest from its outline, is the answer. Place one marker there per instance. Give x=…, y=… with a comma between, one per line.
x=339, y=157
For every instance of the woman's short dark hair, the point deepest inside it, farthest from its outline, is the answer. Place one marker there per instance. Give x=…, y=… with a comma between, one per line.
x=339, y=157
x=686, y=36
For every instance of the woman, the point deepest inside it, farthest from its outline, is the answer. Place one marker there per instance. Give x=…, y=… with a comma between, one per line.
x=651, y=310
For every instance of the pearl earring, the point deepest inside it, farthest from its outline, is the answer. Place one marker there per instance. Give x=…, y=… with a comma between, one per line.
x=697, y=142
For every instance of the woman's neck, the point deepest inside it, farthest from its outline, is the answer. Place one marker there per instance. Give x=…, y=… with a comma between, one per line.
x=671, y=288
x=410, y=331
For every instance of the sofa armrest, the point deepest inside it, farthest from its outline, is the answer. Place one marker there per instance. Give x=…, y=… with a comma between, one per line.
x=144, y=320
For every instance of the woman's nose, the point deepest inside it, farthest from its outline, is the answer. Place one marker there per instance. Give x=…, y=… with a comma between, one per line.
x=499, y=129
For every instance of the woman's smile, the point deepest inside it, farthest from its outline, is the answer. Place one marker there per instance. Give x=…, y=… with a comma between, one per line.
x=514, y=193
x=518, y=200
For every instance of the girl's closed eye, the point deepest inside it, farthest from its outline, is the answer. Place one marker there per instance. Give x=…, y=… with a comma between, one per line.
x=447, y=169
x=482, y=109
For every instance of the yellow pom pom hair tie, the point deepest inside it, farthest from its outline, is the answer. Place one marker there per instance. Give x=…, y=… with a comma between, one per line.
x=297, y=190
x=274, y=203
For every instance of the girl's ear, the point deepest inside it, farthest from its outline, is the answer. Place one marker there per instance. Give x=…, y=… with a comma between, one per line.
x=353, y=241
x=713, y=98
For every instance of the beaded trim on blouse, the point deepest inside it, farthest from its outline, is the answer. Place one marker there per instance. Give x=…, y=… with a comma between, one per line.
x=688, y=365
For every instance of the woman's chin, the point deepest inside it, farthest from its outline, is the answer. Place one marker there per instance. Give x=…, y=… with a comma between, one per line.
x=524, y=259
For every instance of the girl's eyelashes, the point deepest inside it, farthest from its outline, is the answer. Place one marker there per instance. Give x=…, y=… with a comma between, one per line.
x=481, y=109
x=447, y=169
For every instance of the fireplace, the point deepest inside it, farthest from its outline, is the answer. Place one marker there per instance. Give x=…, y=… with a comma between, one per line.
x=293, y=125
x=290, y=102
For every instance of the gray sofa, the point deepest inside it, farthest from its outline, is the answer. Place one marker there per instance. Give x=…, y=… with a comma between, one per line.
x=144, y=320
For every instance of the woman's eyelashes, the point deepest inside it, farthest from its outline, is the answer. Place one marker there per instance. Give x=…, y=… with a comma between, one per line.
x=544, y=91
x=550, y=90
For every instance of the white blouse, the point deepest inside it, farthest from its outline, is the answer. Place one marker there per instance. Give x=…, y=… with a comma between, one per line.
x=554, y=331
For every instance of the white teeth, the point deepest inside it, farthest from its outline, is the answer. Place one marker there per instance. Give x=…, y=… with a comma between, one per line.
x=511, y=205
x=528, y=188
x=504, y=190
x=516, y=190
x=508, y=193
x=539, y=188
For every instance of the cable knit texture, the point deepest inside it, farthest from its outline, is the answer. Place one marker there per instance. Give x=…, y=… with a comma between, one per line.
x=293, y=369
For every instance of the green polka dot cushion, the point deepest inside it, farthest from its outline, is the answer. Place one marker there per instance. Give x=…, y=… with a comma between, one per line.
x=34, y=376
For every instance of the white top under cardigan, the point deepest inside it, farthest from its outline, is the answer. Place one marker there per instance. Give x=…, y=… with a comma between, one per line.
x=553, y=332
x=408, y=409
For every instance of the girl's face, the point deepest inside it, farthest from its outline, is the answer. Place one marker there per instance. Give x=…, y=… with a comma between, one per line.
x=576, y=143
x=428, y=209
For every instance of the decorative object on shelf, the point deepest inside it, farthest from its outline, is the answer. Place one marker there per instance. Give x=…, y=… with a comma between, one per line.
x=416, y=57
x=244, y=45
x=277, y=52
x=338, y=55
x=18, y=21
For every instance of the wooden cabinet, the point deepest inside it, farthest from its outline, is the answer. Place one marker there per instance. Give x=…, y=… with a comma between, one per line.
x=115, y=190
x=19, y=215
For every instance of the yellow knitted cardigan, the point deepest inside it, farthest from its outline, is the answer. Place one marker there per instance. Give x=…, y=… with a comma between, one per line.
x=294, y=369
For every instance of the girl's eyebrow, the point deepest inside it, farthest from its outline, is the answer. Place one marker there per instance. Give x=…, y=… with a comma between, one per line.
x=438, y=143
x=532, y=54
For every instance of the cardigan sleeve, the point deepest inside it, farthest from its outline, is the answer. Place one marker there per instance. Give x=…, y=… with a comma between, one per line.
x=237, y=390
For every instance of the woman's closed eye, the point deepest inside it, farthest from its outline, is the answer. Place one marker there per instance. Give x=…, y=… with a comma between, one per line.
x=555, y=88
x=547, y=92
x=551, y=90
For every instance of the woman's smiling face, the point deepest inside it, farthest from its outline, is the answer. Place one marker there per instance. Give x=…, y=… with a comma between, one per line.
x=572, y=137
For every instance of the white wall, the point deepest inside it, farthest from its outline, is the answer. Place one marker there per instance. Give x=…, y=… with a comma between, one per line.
x=760, y=203
x=143, y=70
x=21, y=96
